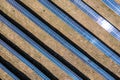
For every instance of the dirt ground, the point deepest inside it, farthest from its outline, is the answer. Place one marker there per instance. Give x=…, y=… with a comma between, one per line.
x=56, y=46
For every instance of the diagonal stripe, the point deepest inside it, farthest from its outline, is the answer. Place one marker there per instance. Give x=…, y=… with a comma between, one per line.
x=41, y=49
x=98, y=18
x=61, y=40
x=9, y=72
x=24, y=60
x=112, y=5
x=79, y=28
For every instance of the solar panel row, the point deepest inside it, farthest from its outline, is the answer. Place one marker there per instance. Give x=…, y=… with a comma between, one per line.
x=60, y=38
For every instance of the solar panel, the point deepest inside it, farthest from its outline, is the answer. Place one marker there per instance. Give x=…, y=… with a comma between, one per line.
x=8, y=72
x=103, y=70
x=41, y=49
x=112, y=5
x=61, y=40
x=42, y=75
x=81, y=30
x=98, y=18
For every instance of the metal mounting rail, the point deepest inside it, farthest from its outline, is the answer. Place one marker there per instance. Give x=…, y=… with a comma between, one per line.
x=9, y=72
x=113, y=5
x=61, y=40
x=42, y=75
x=98, y=18
x=41, y=49
x=91, y=38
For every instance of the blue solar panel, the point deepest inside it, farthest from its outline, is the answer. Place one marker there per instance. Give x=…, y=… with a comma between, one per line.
x=113, y=5
x=9, y=72
x=43, y=76
x=98, y=18
x=91, y=38
x=61, y=40
x=42, y=50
